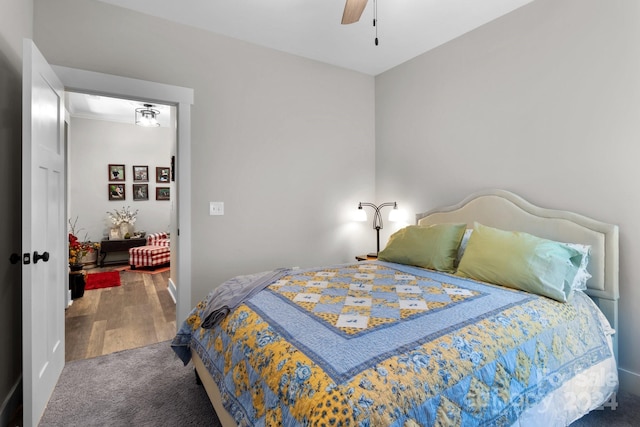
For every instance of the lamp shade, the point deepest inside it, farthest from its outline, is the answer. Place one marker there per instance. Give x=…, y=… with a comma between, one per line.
x=360, y=215
x=396, y=215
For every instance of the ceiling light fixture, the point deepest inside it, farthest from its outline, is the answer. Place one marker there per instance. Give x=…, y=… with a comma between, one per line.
x=147, y=116
x=353, y=10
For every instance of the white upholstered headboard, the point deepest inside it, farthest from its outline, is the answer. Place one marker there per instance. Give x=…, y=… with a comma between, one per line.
x=507, y=211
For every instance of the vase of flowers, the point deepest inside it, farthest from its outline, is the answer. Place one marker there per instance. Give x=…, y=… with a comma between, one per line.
x=123, y=220
x=78, y=251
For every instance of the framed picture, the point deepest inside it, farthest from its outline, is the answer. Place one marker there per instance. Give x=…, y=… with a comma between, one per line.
x=140, y=191
x=162, y=174
x=173, y=168
x=141, y=173
x=163, y=193
x=116, y=173
x=116, y=191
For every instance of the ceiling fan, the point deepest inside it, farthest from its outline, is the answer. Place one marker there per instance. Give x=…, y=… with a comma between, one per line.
x=353, y=10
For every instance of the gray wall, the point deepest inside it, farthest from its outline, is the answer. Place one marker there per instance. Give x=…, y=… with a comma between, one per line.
x=543, y=102
x=286, y=143
x=93, y=145
x=15, y=23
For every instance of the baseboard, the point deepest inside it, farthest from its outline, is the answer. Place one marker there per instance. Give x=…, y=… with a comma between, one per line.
x=173, y=291
x=629, y=381
x=11, y=403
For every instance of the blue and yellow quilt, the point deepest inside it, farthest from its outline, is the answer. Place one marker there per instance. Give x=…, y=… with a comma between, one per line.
x=382, y=344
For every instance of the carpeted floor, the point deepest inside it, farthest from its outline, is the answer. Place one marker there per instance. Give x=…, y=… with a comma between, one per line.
x=627, y=414
x=149, y=386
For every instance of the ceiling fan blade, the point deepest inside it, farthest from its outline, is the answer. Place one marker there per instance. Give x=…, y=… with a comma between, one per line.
x=352, y=11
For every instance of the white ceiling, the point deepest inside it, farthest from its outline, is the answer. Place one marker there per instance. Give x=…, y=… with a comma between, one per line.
x=312, y=29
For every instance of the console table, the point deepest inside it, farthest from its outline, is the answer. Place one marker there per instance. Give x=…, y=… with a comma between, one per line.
x=118, y=245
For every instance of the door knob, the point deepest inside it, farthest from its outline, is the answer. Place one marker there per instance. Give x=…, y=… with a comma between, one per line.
x=14, y=258
x=37, y=257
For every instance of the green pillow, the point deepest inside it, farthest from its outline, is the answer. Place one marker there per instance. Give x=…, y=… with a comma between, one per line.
x=521, y=261
x=433, y=247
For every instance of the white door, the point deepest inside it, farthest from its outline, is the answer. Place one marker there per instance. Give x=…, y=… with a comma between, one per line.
x=44, y=267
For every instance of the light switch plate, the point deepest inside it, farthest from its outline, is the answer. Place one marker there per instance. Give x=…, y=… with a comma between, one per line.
x=216, y=208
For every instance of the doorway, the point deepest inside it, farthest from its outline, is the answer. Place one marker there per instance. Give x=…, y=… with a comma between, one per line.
x=103, y=135
x=182, y=98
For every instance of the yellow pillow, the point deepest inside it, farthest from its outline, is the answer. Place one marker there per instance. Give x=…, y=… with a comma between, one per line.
x=433, y=247
x=521, y=261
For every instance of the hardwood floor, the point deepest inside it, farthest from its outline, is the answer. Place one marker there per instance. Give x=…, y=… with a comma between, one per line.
x=137, y=313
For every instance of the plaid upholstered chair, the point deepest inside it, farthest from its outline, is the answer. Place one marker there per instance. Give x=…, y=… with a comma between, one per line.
x=156, y=252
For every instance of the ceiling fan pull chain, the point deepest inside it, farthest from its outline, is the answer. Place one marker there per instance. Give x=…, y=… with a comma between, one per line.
x=375, y=19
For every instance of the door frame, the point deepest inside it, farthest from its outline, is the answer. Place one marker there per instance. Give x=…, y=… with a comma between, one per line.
x=91, y=82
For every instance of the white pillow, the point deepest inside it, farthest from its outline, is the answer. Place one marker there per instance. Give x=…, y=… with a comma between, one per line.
x=463, y=245
x=580, y=281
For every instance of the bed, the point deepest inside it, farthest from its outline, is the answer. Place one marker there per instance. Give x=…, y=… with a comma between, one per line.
x=406, y=343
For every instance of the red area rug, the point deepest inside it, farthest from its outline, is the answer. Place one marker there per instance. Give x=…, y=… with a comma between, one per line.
x=105, y=279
